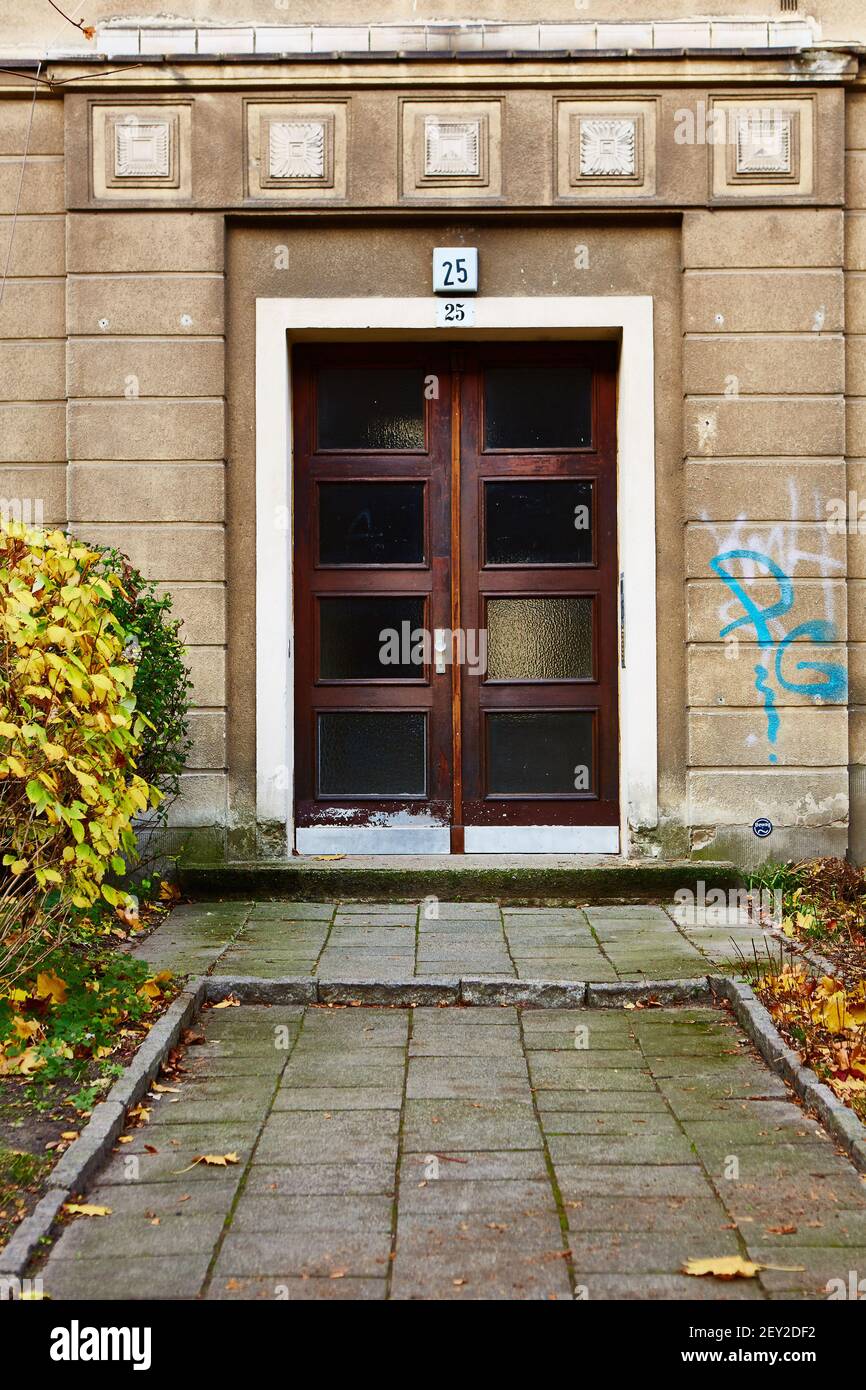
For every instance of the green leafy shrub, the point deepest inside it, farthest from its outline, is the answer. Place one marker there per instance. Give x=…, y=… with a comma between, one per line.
x=69, y=738
x=73, y=1010
x=161, y=684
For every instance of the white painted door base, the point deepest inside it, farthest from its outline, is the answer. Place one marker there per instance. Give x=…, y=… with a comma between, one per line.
x=375, y=839
x=478, y=839
x=541, y=839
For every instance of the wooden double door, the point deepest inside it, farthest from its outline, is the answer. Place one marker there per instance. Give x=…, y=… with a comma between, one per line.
x=455, y=581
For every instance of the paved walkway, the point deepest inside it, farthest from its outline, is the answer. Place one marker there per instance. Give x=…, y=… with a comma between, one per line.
x=382, y=941
x=463, y=1152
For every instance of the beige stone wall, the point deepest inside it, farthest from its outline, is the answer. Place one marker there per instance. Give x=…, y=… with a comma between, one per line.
x=32, y=322
x=855, y=292
x=764, y=446
x=145, y=387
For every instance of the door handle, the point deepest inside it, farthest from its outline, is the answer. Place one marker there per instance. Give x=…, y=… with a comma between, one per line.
x=440, y=648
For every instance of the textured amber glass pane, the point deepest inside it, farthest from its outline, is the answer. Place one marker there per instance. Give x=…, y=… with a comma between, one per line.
x=371, y=523
x=372, y=754
x=537, y=407
x=370, y=408
x=538, y=523
x=538, y=752
x=369, y=638
x=539, y=639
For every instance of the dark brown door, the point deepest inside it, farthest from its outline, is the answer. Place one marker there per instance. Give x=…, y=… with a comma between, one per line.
x=455, y=592
x=539, y=577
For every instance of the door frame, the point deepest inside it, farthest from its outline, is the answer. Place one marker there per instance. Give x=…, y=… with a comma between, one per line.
x=628, y=319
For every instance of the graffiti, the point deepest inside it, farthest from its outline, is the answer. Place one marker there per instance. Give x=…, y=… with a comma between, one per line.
x=832, y=681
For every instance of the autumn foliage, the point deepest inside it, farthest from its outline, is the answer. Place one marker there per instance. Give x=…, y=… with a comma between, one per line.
x=69, y=734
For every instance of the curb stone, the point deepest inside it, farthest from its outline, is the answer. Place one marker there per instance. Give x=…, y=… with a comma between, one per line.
x=613, y=996
x=251, y=990
x=839, y=1120
x=147, y=1061
x=77, y=1165
x=406, y=993
x=537, y=994
x=20, y=1250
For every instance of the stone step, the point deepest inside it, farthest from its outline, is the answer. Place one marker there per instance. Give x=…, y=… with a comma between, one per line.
x=458, y=878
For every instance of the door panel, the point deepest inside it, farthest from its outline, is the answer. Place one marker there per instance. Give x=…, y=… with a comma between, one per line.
x=455, y=582
x=539, y=566
x=372, y=557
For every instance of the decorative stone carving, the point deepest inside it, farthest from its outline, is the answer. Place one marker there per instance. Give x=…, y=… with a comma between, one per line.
x=608, y=148
x=297, y=149
x=142, y=149
x=141, y=152
x=768, y=149
x=452, y=149
x=764, y=143
x=605, y=148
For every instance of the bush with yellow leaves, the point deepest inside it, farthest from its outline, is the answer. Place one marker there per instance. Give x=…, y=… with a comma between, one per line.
x=69, y=732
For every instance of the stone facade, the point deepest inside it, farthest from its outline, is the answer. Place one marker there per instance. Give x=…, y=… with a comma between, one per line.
x=161, y=197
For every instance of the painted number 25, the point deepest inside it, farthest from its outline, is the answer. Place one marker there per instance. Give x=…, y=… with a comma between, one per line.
x=455, y=312
x=455, y=273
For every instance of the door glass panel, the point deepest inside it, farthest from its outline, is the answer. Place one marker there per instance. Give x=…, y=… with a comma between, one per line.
x=537, y=408
x=538, y=523
x=540, y=752
x=372, y=754
x=539, y=639
x=371, y=523
x=370, y=638
x=378, y=408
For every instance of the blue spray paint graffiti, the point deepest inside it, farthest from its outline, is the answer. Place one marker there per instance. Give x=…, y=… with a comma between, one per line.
x=835, y=680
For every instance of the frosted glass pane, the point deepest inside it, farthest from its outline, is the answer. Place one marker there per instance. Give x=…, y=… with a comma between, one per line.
x=370, y=408
x=541, y=639
x=375, y=754
x=538, y=752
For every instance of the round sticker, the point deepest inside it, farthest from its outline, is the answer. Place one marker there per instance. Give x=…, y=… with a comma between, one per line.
x=762, y=827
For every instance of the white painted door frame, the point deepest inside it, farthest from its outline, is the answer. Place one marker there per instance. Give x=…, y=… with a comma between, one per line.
x=280, y=322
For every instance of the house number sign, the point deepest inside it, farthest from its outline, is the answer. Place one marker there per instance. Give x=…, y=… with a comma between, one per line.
x=455, y=275
x=455, y=270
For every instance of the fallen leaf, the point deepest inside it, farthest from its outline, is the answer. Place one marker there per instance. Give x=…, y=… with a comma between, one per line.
x=212, y=1160
x=70, y=1134
x=781, y=1230
x=85, y=1209
x=50, y=986
x=732, y=1267
x=228, y=1003
x=25, y=1027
